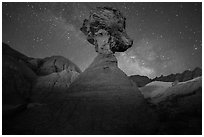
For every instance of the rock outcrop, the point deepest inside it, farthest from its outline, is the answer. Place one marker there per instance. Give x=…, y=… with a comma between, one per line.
x=53, y=64
x=101, y=100
x=22, y=85
x=110, y=21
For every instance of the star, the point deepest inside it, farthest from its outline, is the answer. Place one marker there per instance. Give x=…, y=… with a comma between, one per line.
x=164, y=36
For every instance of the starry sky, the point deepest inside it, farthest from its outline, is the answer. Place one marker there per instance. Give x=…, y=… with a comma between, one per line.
x=167, y=36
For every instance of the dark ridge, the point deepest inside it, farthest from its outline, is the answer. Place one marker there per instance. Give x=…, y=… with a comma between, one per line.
x=181, y=77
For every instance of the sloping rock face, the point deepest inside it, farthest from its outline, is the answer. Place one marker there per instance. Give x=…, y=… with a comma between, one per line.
x=141, y=81
x=114, y=102
x=52, y=85
x=7, y=50
x=17, y=77
x=17, y=83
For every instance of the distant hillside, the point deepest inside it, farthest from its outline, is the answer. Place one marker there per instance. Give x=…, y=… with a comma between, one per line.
x=180, y=77
x=140, y=80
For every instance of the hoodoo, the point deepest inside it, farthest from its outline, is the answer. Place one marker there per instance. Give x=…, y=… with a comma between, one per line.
x=102, y=99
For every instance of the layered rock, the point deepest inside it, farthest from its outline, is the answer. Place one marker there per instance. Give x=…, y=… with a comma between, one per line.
x=53, y=64
x=114, y=102
x=52, y=85
x=22, y=87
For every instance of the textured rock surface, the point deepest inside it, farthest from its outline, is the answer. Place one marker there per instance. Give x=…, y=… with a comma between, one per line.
x=113, y=22
x=53, y=64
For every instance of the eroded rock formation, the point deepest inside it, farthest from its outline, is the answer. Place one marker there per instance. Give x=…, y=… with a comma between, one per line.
x=107, y=24
x=102, y=100
x=23, y=88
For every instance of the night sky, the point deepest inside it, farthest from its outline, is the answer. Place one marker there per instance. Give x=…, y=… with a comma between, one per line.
x=167, y=36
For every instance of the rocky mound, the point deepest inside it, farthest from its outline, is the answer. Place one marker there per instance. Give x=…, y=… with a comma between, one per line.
x=52, y=64
x=21, y=85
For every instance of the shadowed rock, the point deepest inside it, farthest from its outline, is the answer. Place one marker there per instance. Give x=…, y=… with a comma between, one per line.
x=24, y=90
x=179, y=106
x=140, y=80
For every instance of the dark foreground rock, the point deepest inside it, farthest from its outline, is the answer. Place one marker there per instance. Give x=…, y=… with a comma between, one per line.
x=181, y=115
x=102, y=100
x=17, y=83
x=23, y=88
x=179, y=106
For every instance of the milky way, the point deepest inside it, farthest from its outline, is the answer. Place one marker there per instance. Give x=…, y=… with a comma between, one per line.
x=167, y=36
